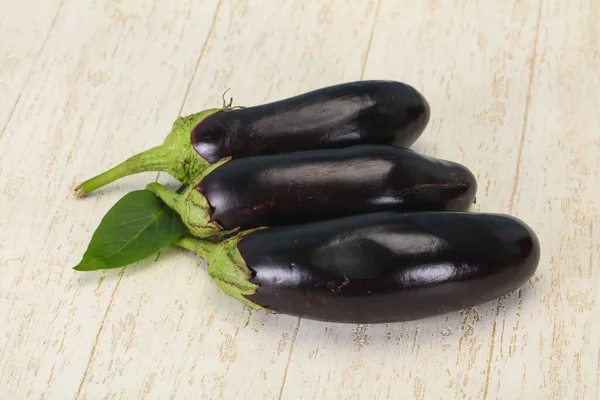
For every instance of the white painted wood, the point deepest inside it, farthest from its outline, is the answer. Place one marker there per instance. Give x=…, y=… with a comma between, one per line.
x=25, y=26
x=110, y=79
x=514, y=88
x=551, y=349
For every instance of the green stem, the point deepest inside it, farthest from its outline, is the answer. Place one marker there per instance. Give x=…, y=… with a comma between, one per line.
x=176, y=156
x=203, y=248
x=154, y=159
x=226, y=265
x=193, y=208
x=170, y=198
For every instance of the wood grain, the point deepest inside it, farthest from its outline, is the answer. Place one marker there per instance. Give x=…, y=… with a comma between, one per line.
x=94, y=97
x=20, y=47
x=550, y=349
x=514, y=89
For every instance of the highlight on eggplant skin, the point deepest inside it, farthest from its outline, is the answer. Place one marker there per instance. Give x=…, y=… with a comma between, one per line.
x=309, y=186
x=362, y=112
x=389, y=267
x=324, y=184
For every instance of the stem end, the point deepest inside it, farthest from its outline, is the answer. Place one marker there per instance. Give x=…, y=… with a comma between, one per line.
x=79, y=192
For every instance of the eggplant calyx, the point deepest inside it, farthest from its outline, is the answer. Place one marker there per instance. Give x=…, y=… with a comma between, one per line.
x=226, y=266
x=194, y=210
x=192, y=206
x=185, y=164
x=175, y=156
x=230, y=272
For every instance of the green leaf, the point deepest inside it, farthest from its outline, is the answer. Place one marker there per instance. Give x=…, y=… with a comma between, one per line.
x=136, y=227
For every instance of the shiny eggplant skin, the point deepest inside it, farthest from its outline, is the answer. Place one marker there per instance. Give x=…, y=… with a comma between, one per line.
x=389, y=267
x=364, y=112
x=324, y=184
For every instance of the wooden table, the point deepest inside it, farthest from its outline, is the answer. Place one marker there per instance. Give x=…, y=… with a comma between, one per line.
x=514, y=88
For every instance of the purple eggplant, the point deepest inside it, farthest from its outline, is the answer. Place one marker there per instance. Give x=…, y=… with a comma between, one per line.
x=374, y=268
x=316, y=185
x=364, y=112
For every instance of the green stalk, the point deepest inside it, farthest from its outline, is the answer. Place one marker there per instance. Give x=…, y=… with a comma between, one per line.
x=192, y=206
x=176, y=156
x=226, y=265
x=203, y=248
x=154, y=159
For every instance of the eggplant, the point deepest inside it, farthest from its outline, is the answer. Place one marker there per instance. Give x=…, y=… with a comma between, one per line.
x=374, y=268
x=364, y=112
x=316, y=185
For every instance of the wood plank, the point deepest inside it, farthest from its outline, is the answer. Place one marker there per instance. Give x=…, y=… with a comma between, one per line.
x=472, y=60
x=109, y=82
x=20, y=47
x=170, y=330
x=551, y=348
